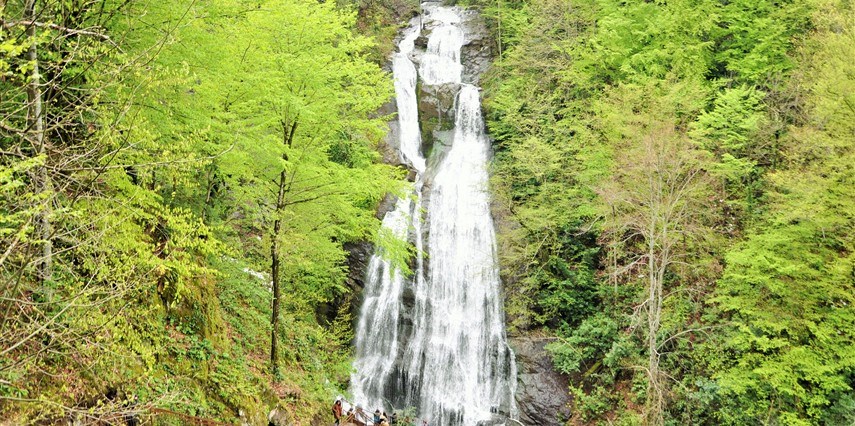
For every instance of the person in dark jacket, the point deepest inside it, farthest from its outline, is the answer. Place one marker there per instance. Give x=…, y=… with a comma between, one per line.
x=377, y=417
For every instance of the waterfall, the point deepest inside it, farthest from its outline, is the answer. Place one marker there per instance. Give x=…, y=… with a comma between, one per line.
x=379, y=318
x=436, y=340
x=441, y=63
x=405, y=94
x=464, y=355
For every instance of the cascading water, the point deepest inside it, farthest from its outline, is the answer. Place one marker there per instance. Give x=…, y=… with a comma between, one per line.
x=441, y=63
x=464, y=356
x=408, y=110
x=382, y=295
x=377, y=331
x=436, y=340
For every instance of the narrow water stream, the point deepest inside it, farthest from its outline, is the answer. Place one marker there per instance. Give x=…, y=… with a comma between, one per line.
x=436, y=340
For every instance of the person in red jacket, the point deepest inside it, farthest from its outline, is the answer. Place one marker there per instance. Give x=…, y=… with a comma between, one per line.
x=336, y=410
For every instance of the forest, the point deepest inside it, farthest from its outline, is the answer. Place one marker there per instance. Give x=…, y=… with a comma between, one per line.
x=183, y=184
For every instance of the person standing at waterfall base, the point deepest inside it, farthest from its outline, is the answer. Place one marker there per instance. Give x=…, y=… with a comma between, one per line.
x=377, y=417
x=336, y=411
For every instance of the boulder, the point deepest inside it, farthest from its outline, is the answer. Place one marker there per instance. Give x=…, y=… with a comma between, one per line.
x=422, y=40
x=279, y=417
x=542, y=394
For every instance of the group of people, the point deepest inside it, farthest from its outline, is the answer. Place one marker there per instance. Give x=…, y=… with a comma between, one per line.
x=379, y=419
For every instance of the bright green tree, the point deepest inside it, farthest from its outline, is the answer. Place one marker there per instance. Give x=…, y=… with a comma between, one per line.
x=788, y=289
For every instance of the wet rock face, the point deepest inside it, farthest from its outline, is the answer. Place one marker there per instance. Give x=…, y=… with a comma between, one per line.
x=360, y=252
x=542, y=393
x=359, y=255
x=436, y=115
x=357, y=263
x=477, y=52
x=436, y=104
x=389, y=147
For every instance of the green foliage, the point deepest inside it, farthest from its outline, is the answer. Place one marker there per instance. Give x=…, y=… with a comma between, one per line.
x=586, y=345
x=736, y=117
x=788, y=288
x=165, y=144
x=755, y=43
x=731, y=131
x=763, y=100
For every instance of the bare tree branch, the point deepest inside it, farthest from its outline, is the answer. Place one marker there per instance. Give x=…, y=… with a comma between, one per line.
x=90, y=32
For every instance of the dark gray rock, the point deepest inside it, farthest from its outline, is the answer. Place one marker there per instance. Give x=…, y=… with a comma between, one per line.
x=387, y=205
x=422, y=40
x=436, y=115
x=389, y=146
x=477, y=53
x=359, y=254
x=543, y=394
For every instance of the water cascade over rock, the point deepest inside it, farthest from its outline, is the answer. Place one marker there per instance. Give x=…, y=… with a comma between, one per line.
x=435, y=340
x=406, y=78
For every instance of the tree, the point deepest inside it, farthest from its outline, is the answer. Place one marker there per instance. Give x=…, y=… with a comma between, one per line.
x=731, y=131
x=318, y=92
x=657, y=200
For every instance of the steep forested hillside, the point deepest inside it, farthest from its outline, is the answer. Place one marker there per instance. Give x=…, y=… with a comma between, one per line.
x=675, y=181
x=155, y=154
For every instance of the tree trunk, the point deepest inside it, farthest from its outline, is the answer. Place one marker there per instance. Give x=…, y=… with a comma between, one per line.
x=277, y=292
x=35, y=124
x=287, y=139
x=654, y=312
x=499, y=26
